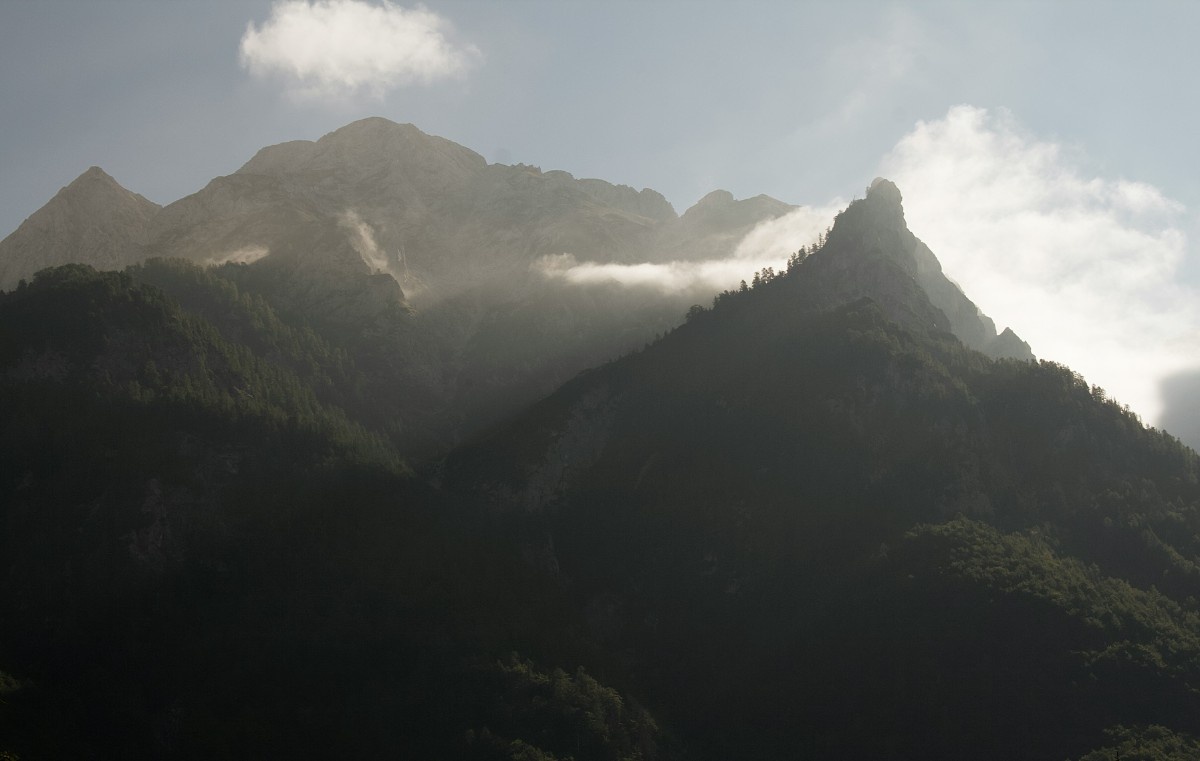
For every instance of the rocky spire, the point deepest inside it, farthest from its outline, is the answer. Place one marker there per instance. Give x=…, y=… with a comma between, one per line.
x=871, y=252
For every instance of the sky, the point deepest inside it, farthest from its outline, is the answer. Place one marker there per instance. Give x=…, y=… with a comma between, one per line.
x=1047, y=151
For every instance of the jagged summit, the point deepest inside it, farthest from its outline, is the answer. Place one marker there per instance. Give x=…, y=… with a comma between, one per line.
x=719, y=209
x=884, y=186
x=723, y=199
x=871, y=252
x=92, y=174
x=98, y=186
x=886, y=202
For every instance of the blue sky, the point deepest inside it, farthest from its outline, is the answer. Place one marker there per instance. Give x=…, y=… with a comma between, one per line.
x=1047, y=151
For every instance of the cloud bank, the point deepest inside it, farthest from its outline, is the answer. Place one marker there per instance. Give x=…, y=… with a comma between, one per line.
x=336, y=48
x=1082, y=267
x=768, y=244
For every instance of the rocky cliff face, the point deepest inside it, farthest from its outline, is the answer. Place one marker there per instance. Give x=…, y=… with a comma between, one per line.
x=92, y=220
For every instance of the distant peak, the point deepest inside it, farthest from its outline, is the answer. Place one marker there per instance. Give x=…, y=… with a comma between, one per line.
x=93, y=174
x=375, y=125
x=716, y=197
x=96, y=184
x=382, y=121
x=723, y=198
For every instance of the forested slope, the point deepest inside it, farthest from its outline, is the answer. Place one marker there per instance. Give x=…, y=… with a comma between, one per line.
x=831, y=529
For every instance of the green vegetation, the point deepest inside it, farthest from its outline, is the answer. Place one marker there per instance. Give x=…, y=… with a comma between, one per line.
x=536, y=714
x=1152, y=743
x=816, y=531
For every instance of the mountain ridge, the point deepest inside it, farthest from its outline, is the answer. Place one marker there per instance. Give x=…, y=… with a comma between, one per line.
x=379, y=229
x=426, y=199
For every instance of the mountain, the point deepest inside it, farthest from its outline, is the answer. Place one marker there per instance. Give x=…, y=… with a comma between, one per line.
x=874, y=254
x=204, y=555
x=380, y=230
x=813, y=523
x=718, y=222
x=93, y=220
x=433, y=214
x=835, y=514
x=429, y=263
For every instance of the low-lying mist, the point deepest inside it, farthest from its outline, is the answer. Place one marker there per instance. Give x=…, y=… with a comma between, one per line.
x=244, y=255
x=769, y=244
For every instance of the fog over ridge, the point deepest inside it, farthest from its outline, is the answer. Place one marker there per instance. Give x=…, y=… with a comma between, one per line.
x=768, y=244
x=244, y=255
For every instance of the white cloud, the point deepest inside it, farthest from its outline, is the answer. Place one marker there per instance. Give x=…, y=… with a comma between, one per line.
x=671, y=277
x=330, y=48
x=244, y=255
x=769, y=244
x=1084, y=268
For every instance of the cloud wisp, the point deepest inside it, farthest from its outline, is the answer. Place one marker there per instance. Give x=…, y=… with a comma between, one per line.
x=362, y=238
x=342, y=48
x=1084, y=268
x=768, y=244
x=244, y=255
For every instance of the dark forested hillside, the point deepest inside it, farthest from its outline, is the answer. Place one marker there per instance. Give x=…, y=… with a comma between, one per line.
x=833, y=515
x=832, y=530
x=205, y=555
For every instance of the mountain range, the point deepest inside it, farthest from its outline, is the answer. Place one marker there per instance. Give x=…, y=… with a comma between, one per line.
x=432, y=213
x=319, y=461
x=380, y=229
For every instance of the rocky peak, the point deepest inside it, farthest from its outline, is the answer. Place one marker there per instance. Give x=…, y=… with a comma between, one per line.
x=716, y=198
x=93, y=174
x=368, y=148
x=871, y=236
x=92, y=219
x=646, y=202
x=373, y=143
x=96, y=191
x=883, y=190
x=720, y=210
